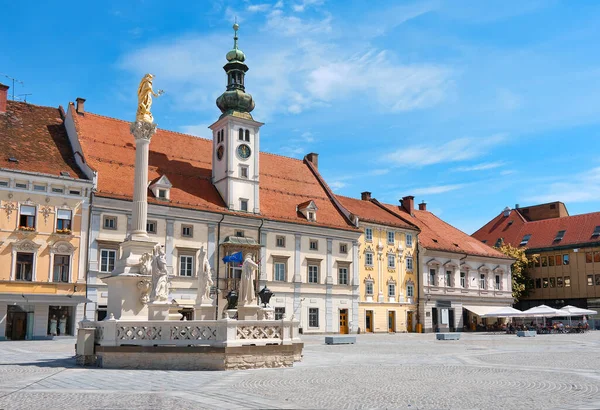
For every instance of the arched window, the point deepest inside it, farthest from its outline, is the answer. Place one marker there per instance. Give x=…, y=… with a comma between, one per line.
x=248, y=135
x=241, y=134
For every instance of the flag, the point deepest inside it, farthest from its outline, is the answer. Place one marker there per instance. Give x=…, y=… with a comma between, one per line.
x=236, y=257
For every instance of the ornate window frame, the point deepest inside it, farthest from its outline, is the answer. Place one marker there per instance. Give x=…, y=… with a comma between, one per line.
x=24, y=246
x=61, y=248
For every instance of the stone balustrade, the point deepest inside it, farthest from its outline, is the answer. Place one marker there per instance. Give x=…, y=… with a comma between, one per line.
x=218, y=333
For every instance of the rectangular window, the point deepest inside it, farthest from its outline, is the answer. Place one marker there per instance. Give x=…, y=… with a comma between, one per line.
x=391, y=290
x=343, y=248
x=107, y=260
x=280, y=241
x=313, y=317
x=3, y=183
x=409, y=240
x=391, y=262
x=499, y=242
x=497, y=282
x=279, y=313
x=559, y=236
x=313, y=245
x=558, y=260
x=567, y=281
x=343, y=276
x=545, y=283
x=590, y=280
x=566, y=259
x=244, y=205
x=63, y=220
x=239, y=233
x=409, y=263
x=58, y=190
x=41, y=188
x=21, y=185
x=162, y=193
x=538, y=283
x=410, y=291
x=597, y=276
x=588, y=257
x=463, y=280
x=27, y=217
x=24, y=266
x=151, y=226
x=187, y=231
x=243, y=171
x=552, y=282
x=110, y=222
x=73, y=192
x=279, y=272
x=448, y=278
x=61, y=268
x=597, y=257
x=390, y=237
x=369, y=259
x=482, y=281
x=313, y=274
x=186, y=265
x=369, y=288
x=525, y=240
x=431, y=277
x=368, y=234
x=550, y=260
x=544, y=261
x=559, y=282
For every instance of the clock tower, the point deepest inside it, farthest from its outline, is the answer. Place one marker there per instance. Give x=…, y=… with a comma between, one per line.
x=235, y=162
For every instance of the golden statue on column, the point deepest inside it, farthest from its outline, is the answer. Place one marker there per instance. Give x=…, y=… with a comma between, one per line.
x=145, y=93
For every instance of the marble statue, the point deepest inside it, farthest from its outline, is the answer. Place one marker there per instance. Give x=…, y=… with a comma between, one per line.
x=160, y=275
x=62, y=325
x=145, y=93
x=205, y=281
x=247, y=295
x=53, y=325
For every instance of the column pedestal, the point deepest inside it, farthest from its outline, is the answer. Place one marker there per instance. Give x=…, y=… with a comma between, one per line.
x=205, y=312
x=267, y=313
x=158, y=310
x=128, y=295
x=248, y=312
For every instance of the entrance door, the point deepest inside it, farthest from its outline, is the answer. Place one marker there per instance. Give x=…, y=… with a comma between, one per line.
x=392, y=321
x=451, y=320
x=344, y=321
x=369, y=321
x=409, y=321
x=16, y=328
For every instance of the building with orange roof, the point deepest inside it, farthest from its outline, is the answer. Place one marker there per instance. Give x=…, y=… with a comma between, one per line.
x=223, y=196
x=44, y=203
x=459, y=279
x=567, y=271
x=387, y=273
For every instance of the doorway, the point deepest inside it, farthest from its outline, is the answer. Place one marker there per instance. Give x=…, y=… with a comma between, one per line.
x=16, y=323
x=369, y=321
x=344, y=321
x=451, y=320
x=409, y=321
x=392, y=321
x=434, y=320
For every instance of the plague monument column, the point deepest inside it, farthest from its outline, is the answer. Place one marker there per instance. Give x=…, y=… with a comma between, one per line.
x=138, y=286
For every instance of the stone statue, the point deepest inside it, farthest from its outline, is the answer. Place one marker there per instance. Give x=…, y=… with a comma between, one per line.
x=160, y=275
x=205, y=281
x=246, y=289
x=145, y=93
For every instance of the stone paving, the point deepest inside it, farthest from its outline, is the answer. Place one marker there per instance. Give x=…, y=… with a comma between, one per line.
x=406, y=371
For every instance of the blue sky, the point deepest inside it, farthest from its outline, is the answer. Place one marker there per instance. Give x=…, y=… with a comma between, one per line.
x=468, y=105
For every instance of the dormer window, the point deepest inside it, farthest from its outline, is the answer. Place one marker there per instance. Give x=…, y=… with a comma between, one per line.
x=309, y=210
x=559, y=236
x=161, y=188
x=525, y=240
x=596, y=231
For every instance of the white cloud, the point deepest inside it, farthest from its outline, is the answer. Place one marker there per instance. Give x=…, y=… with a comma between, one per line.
x=460, y=149
x=199, y=130
x=480, y=167
x=584, y=187
x=335, y=185
x=300, y=7
x=253, y=8
x=435, y=190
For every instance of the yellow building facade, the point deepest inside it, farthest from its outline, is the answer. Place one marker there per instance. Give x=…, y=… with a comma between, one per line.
x=387, y=268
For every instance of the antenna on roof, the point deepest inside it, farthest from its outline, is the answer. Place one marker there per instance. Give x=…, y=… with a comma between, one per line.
x=24, y=96
x=13, y=84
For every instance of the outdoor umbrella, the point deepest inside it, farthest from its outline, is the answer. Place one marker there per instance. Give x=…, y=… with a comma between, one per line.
x=575, y=311
x=544, y=311
x=506, y=311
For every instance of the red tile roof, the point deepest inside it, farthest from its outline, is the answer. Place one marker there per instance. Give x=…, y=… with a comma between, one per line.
x=512, y=228
x=109, y=148
x=439, y=235
x=371, y=212
x=37, y=138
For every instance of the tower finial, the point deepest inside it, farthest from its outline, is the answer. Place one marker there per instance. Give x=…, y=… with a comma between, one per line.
x=236, y=26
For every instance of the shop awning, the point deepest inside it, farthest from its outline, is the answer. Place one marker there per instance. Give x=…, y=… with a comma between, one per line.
x=481, y=310
x=240, y=241
x=49, y=299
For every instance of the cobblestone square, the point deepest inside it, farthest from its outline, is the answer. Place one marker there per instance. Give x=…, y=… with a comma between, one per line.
x=406, y=371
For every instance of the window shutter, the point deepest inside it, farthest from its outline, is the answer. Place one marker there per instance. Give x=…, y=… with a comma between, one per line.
x=64, y=214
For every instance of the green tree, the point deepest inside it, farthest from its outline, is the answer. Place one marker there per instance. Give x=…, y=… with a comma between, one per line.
x=520, y=276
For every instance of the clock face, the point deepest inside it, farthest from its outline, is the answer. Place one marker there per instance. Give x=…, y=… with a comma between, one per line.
x=243, y=151
x=220, y=151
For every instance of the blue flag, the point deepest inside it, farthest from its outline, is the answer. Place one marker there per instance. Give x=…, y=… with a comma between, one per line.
x=236, y=257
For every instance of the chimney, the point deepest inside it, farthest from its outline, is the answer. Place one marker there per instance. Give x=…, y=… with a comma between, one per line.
x=408, y=203
x=313, y=158
x=79, y=106
x=516, y=206
x=423, y=206
x=3, y=96
x=365, y=196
